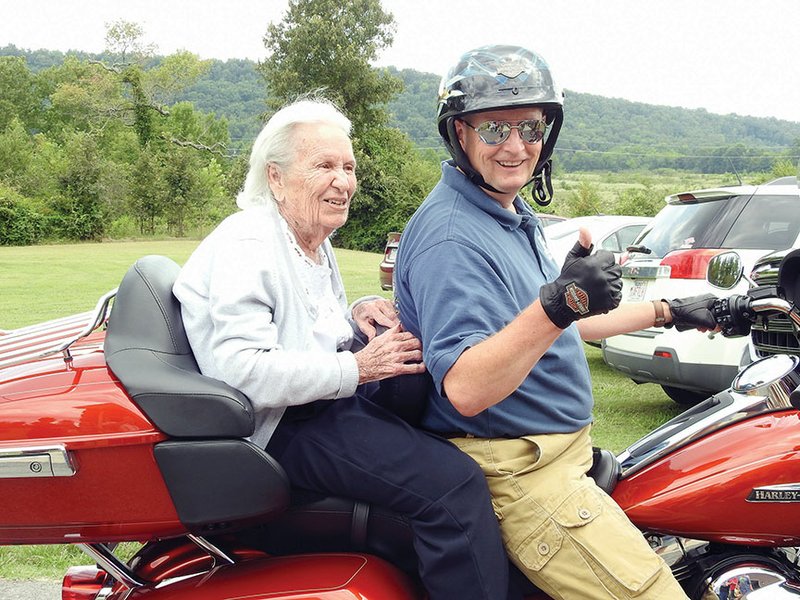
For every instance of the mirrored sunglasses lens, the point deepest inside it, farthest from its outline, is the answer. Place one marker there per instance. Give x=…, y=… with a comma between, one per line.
x=532, y=131
x=493, y=132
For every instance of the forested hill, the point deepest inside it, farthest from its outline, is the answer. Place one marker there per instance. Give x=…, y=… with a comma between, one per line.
x=599, y=132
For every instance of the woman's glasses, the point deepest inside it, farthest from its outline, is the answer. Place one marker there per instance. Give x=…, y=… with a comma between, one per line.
x=497, y=132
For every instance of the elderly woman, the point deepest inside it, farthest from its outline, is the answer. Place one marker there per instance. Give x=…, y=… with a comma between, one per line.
x=265, y=311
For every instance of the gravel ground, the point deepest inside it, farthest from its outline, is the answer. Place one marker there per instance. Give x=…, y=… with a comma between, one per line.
x=30, y=590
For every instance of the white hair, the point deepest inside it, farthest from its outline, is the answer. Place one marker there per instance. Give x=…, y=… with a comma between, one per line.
x=275, y=144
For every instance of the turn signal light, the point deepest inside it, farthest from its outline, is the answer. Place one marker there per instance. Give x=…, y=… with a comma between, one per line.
x=689, y=264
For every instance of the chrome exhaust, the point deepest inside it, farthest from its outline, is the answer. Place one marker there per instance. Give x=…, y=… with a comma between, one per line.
x=754, y=583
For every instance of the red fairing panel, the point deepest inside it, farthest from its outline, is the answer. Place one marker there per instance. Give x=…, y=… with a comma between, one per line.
x=701, y=491
x=116, y=492
x=305, y=577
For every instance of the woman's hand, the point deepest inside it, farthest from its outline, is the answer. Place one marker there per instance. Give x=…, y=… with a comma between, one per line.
x=372, y=313
x=394, y=352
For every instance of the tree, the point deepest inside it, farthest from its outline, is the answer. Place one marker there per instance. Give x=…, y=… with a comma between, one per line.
x=125, y=40
x=328, y=44
x=148, y=195
x=80, y=204
x=19, y=94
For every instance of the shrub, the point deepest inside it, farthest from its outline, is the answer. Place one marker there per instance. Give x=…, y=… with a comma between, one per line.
x=21, y=222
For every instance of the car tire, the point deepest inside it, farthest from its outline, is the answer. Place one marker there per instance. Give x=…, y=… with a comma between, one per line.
x=684, y=397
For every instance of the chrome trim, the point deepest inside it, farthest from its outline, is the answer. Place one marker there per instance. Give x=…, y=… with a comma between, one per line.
x=760, y=387
x=106, y=560
x=99, y=316
x=213, y=550
x=773, y=376
x=779, y=493
x=56, y=336
x=743, y=407
x=36, y=462
x=765, y=274
x=767, y=579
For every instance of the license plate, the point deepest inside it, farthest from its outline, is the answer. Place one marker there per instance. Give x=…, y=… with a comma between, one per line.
x=638, y=290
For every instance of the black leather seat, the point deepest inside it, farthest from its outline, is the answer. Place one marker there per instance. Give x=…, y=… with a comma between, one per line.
x=216, y=478
x=218, y=481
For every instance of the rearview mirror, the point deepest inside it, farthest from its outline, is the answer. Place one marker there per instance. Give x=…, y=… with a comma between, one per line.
x=725, y=270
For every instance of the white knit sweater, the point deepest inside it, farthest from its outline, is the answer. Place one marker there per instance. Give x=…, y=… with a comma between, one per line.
x=249, y=319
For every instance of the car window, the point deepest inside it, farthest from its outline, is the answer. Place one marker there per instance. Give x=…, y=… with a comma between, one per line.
x=620, y=240
x=680, y=226
x=766, y=222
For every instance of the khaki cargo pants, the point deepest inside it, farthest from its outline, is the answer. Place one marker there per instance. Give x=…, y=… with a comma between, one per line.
x=561, y=530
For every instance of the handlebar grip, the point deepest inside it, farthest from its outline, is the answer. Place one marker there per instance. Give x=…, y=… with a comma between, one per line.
x=734, y=315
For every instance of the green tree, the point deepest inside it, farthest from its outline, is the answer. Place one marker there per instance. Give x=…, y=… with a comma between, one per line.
x=20, y=97
x=125, y=41
x=16, y=153
x=328, y=44
x=148, y=191
x=392, y=181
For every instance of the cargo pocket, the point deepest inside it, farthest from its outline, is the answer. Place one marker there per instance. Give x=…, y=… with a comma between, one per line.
x=589, y=528
x=539, y=547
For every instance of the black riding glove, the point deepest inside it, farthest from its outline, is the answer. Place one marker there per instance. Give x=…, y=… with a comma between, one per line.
x=588, y=285
x=693, y=312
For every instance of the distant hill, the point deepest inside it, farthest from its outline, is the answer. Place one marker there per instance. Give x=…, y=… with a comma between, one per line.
x=599, y=133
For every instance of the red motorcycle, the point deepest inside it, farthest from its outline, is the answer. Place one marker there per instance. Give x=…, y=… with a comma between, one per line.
x=109, y=433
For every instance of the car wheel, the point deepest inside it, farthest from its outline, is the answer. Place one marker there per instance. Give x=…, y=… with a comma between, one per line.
x=684, y=397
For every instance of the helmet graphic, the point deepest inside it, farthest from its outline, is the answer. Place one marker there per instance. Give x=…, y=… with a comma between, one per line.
x=498, y=77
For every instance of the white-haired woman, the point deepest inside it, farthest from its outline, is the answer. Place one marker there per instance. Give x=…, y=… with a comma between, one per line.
x=265, y=311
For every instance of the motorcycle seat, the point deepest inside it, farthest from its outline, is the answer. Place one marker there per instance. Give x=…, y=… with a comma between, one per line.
x=206, y=421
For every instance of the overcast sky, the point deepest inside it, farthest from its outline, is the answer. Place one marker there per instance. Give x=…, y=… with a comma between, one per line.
x=727, y=56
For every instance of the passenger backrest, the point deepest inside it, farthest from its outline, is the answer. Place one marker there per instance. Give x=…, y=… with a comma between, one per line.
x=147, y=349
x=217, y=480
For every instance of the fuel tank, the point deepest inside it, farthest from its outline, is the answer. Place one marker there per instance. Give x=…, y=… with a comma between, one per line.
x=737, y=481
x=76, y=455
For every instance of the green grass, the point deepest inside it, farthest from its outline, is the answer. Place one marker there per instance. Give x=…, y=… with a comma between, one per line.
x=45, y=282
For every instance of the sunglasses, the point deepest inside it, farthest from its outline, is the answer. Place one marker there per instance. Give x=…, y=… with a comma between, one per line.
x=497, y=132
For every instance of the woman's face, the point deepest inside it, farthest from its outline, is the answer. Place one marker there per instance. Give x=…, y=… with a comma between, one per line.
x=314, y=193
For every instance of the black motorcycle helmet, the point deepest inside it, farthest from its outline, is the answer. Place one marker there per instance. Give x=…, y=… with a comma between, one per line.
x=497, y=77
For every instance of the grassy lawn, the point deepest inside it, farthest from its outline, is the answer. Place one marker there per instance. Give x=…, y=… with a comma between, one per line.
x=45, y=282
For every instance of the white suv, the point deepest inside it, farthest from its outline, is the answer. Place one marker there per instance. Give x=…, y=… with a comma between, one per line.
x=669, y=260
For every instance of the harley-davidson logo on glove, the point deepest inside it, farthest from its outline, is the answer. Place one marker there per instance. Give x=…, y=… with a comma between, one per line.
x=577, y=299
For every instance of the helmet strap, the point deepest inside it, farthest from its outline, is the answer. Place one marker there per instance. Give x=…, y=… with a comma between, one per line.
x=542, y=190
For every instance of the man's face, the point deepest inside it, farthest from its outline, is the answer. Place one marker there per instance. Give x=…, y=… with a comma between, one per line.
x=508, y=166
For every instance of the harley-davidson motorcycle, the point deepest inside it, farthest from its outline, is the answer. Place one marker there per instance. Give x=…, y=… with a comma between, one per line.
x=109, y=433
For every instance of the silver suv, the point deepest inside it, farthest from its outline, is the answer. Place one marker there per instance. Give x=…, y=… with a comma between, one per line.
x=669, y=260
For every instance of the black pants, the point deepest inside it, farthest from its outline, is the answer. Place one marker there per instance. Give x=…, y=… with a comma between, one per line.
x=355, y=449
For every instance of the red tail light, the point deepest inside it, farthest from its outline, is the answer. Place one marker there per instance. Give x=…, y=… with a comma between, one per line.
x=82, y=583
x=689, y=264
